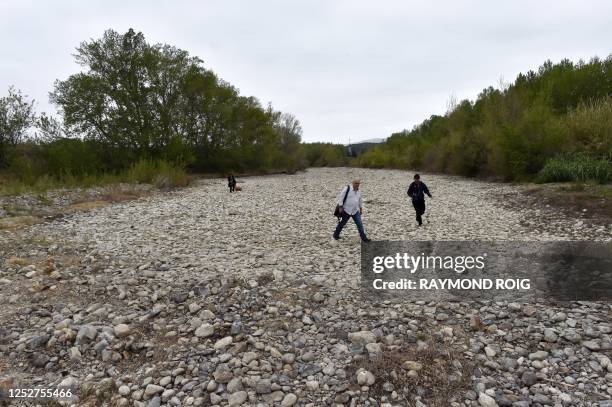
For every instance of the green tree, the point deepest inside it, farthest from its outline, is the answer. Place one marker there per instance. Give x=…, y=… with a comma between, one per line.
x=130, y=96
x=156, y=101
x=17, y=116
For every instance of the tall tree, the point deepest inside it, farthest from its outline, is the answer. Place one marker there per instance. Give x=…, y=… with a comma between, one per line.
x=157, y=101
x=17, y=116
x=131, y=96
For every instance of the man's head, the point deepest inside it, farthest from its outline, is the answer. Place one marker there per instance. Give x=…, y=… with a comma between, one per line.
x=417, y=178
x=356, y=183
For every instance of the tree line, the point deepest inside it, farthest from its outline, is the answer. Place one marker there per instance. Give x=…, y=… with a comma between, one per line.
x=553, y=124
x=137, y=108
x=134, y=101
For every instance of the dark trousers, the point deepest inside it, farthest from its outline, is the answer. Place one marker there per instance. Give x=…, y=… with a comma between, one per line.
x=232, y=188
x=345, y=218
x=419, y=207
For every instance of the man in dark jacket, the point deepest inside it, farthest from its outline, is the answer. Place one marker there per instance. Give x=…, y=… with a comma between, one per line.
x=417, y=191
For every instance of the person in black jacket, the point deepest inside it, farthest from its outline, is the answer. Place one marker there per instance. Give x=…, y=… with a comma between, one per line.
x=417, y=191
x=231, y=182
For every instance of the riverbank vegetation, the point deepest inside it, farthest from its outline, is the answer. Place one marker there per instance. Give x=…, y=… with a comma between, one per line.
x=553, y=124
x=152, y=113
x=137, y=107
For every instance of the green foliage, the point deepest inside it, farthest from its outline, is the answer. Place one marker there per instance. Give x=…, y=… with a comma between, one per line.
x=590, y=126
x=157, y=101
x=324, y=155
x=376, y=157
x=136, y=107
x=72, y=156
x=157, y=172
x=576, y=168
x=16, y=117
x=515, y=132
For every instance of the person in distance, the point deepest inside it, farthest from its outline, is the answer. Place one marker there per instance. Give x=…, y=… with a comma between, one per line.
x=417, y=191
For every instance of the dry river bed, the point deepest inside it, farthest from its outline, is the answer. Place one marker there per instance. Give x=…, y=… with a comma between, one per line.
x=200, y=297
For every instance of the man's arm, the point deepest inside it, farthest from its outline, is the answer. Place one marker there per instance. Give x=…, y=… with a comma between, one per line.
x=426, y=190
x=410, y=190
x=360, y=204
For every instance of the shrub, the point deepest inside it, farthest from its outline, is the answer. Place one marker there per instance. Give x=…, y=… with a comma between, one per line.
x=324, y=155
x=576, y=168
x=170, y=176
x=160, y=173
x=142, y=172
x=590, y=126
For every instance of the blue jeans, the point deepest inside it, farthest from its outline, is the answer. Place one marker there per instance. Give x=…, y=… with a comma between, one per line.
x=357, y=218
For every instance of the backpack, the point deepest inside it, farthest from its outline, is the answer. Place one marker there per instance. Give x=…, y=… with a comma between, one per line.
x=337, y=210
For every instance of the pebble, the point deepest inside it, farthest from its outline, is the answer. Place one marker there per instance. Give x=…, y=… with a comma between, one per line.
x=539, y=355
x=223, y=374
x=238, y=398
x=153, y=389
x=223, y=343
x=204, y=331
x=529, y=378
x=263, y=386
x=74, y=353
x=486, y=401
x=362, y=337
x=122, y=330
x=412, y=365
x=550, y=335
x=289, y=400
x=365, y=378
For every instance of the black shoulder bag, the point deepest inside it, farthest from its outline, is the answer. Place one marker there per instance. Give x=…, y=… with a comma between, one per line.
x=337, y=211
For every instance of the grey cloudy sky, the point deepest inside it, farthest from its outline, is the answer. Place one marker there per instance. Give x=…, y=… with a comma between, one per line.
x=358, y=69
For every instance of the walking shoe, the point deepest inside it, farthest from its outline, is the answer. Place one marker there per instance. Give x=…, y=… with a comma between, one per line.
x=366, y=240
x=336, y=238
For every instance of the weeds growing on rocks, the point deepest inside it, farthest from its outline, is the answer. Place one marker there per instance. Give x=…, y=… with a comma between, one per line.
x=433, y=370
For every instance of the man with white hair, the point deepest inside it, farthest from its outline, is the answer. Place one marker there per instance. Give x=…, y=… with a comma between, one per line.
x=351, y=206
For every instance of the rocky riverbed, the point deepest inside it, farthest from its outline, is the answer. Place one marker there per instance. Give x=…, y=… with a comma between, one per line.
x=200, y=297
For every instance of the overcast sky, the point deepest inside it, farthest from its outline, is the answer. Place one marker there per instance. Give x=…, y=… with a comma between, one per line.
x=358, y=69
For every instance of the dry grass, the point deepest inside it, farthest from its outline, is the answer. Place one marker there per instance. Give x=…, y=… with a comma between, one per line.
x=18, y=261
x=98, y=394
x=17, y=210
x=16, y=222
x=87, y=205
x=439, y=362
x=574, y=197
x=112, y=195
x=120, y=195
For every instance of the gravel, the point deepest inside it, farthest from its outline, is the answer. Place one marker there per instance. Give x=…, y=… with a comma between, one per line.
x=198, y=297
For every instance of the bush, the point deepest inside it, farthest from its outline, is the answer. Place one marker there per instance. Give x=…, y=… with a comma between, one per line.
x=170, y=176
x=157, y=172
x=71, y=156
x=324, y=155
x=590, y=126
x=576, y=168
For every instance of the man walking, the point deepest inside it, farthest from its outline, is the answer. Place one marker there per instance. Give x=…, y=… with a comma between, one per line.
x=350, y=206
x=417, y=191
